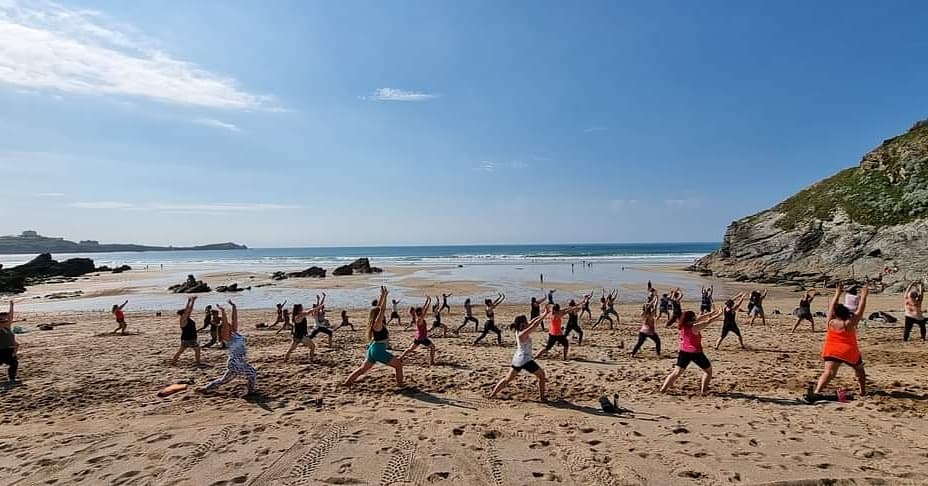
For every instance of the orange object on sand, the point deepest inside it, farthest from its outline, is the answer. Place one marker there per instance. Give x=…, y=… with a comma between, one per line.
x=172, y=389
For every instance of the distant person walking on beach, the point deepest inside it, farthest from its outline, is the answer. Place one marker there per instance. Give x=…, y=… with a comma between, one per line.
x=691, y=349
x=841, y=345
x=756, y=306
x=522, y=359
x=444, y=303
x=468, y=317
x=120, y=316
x=804, y=312
x=914, y=316
x=188, y=332
x=395, y=312
x=422, y=334
x=729, y=324
x=378, y=336
x=8, y=345
x=705, y=304
x=490, y=324
x=647, y=330
x=237, y=364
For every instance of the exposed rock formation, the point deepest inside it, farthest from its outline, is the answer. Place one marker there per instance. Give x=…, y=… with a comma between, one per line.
x=42, y=269
x=191, y=286
x=361, y=265
x=231, y=288
x=866, y=221
x=311, y=272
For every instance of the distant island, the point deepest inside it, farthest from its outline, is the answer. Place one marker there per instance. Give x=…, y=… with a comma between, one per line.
x=32, y=242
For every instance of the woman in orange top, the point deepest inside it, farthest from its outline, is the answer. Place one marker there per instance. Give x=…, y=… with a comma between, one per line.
x=841, y=341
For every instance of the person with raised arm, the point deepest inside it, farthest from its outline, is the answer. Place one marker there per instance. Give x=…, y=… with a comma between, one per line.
x=585, y=309
x=237, y=364
x=551, y=296
x=757, y=309
x=395, y=313
x=188, y=332
x=604, y=312
x=691, y=328
x=535, y=310
x=422, y=333
x=120, y=316
x=345, y=322
x=436, y=315
x=213, y=322
x=468, y=317
x=573, y=320
x=321, y=323
x=647, y=330
x=914, y=295
x=610, y=306
x=841, y=345
x=729, y=324
x=378, y=337
x=555, y=331
x=705, y=303
x=280, y=314
x=9, y=348
x=804, y=313
x=522, y=359
x=676, y=306
x=490, y=324
x=444, y=303
x=301, y=331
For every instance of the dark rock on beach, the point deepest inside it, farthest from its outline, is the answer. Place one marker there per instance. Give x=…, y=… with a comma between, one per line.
x=361, y=265
x=866, y=223
x=191, y=286
x=231, y=288
x=311, y=272
x=43, y=269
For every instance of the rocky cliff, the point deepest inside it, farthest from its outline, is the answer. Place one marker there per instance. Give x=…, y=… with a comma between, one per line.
x=852, y=225
x=32, y=242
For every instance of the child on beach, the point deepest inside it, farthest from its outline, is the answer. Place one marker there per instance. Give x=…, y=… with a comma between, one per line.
x=188, y=332
x=378, y=337
x=120, y=317
x=8, y=345
x=237, y=364
x=522, y=359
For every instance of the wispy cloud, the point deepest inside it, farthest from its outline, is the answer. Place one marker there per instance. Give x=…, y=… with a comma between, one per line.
x=594, y=129
x=485, y=166
x=181, y=208
x=393, y=94
x=214, y=123
x=518, y=164
x=49, y=194
x=49, y=47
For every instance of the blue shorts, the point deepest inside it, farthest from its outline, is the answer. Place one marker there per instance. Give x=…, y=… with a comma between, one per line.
x=377, y=353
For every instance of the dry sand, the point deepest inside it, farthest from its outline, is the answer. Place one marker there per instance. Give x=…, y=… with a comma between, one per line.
x=87, y=413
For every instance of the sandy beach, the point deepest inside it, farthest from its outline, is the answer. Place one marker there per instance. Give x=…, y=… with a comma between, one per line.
x=87, y=411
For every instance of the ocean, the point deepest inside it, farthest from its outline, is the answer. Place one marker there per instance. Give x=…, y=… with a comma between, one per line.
x=400, y=255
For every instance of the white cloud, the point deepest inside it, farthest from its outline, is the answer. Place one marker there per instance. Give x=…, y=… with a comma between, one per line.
x=393, y=94
x=594, y=129
x=48, y=47
x=183, y=208
x=214, y=123
x=486, y=166
x=49, y=194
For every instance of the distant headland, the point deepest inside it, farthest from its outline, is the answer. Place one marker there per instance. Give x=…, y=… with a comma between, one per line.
x=32, y=242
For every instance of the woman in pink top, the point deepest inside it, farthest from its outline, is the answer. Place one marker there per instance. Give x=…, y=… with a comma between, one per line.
x=647, y=330
x=422, y=333
x=691, y=348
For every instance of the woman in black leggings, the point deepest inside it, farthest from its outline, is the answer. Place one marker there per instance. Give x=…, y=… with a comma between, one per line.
x=490, y=325
x=573, y=321
x=648, y=330
x=468, y=317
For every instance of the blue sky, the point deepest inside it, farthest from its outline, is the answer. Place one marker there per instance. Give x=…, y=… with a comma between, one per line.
x=417, y=122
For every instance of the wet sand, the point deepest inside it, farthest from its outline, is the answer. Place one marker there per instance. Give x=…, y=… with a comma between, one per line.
x=86, y=411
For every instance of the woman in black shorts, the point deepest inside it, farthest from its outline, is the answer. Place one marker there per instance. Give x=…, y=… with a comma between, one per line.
x=585, y=309
x=490, y=324
x=301, y=331
x=691, y=348
x=804, y=312
x=728, y=324
x=422, y=333
x=522, y=359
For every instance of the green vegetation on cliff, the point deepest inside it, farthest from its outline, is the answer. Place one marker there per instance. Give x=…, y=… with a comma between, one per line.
x=889, y=187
